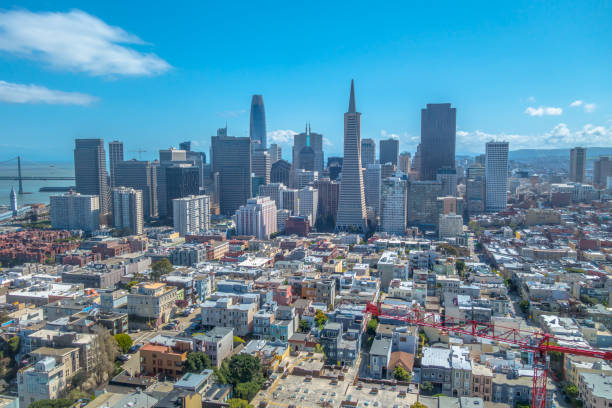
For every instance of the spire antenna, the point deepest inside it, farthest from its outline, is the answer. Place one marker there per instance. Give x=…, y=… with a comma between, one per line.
x=352, y=108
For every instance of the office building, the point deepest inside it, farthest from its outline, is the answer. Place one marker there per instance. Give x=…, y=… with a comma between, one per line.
x=302, y=178
x=90, y=171
x=261, y=165
x=308, y=151
x=404, y=162
x=496, y=176
x=127, y=210
x=351, y=206
x=74, y=211
x=438, y=133
x=280, y=172
x=389, y=151
x=475, y=195
x=231, y=159
x=182, y=180
x=368, y=152
x=393, y=205
x=257, y=132
x=191, y=214
x=290, y=200
x=448, y=177
x=372, y=186
x=450, y=226
x=197, y=159
x=309, y=203
x=387, y=170
x=257, y=218
x=140, y=175
x=577, y=169
x=276, y=153
x=334, y=167
x=172, y=155
x=115, y=156
x=422, y=207
x=281, y=218
x=150, y=304
x=602, y=169
x=274, y=191
x=329, y=191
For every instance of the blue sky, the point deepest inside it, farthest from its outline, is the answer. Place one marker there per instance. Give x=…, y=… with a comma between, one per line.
x=154, y=74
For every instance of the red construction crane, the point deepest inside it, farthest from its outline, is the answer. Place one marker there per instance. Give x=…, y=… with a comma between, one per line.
x=535, y=342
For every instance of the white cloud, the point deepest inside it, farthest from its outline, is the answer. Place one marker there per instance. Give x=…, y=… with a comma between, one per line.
x=281, y=136
x=589, y=107
x=576, y=103
x=531, y=99
x=20, y=93
x=544, y=110
x=327, y=142
x=76, y=41
x=560, y=136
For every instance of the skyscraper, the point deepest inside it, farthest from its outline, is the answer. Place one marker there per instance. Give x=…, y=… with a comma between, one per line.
x=13, y=197
x=231, y=159
x=389, y=151
x=140, y=175
x=578, y=165
x=90, y=171
x=602, y=169
x=372, y=186
x=258, y=123
x=276, y=153
x=393, y=206
x=328, y=200
x=308, y=150
x=351, y=206
x=309, y=203
x=280, y=172
x=127, y=209
x=438, y=134
x=115, y=156
x=261, y=165
x=368, y=152
x=182, y=180
x=74, y=211
x=496, y=176
x=404, y=162
x=191, y=214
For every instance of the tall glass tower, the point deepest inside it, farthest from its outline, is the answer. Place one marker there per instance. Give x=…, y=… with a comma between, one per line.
x=258, y=123
x=351, y=206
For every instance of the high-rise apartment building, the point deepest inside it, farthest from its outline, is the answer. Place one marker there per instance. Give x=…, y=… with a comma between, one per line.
x=389, y=151
x=191, y=214
x=404, y=162
x=438, y=136
x=74, y=211
x=257, y=132
x=496, y=176
x=257, y=218
x=115, y=156
x=140, y=175
x=90, y=171
x=372, y=186
x=577, y=171
x=351, y=206
x=231, y=159
x=308, y=151
x=127, y=209
x=393, y=205
x=368, y=152
x=276, y=153
x=309, y=203
x=280, y=172
x=602, y=169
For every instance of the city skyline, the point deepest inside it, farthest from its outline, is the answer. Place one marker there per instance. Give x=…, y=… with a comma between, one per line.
x=157, y=95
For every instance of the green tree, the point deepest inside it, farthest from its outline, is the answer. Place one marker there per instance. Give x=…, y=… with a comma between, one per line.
x=320, y=319
x=196, y=362
x=524, y=306
x=371, y=327
x=247, y=390
x=58, y=403
x=460, y=265
x=14, y=344
x=571, y=391
x=124, y=342
x=161, y=267
x=427, y=387
x=238, y=403
x=418, y=405
x=304, y=326
x=400, y=374
x=318, y=348
x=130, y=284
x=238, y=340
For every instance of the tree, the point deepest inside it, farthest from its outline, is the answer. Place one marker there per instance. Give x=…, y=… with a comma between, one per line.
x=58, y=403
x=238, y=340
x=418, y=405
x=14, y=344
x=130, y=284
x=400, y=374
x=427, y=387
x=196, y=362
x=371, y=328
x=460, y=265
x=247, y=390
x=105, y=353
x=304, y=326
x=238, y=403
x=318, y=348
x=320, y=319
x=571, y=391
x=124, y=342
x=161, y=267
x=524, y=306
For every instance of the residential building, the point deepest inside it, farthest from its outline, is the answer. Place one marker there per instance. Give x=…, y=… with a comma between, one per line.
x=74, y=211
x=166, y=360
x=595, y=390
x=496, y=175
x=223, y=312
x=257, y=218
x=393, y=206
x=127, y=210
x=308, y=203
x=351, y=205
x=380, y=357
x=438, y=134
x=217, y=344
x=150, y=304
x=191, y=214
x=44, y=380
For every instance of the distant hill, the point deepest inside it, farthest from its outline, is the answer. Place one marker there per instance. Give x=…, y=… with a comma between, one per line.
x=537, y=154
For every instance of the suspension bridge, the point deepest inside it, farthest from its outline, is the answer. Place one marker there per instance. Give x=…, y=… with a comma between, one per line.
x=21, y=178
